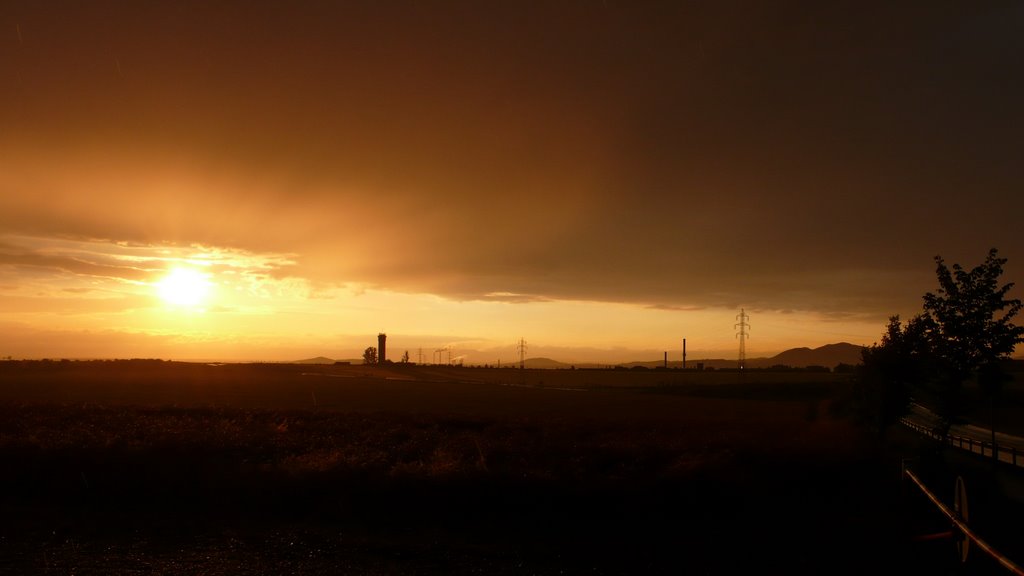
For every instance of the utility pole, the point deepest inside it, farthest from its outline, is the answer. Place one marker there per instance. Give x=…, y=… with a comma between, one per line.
x=743, y=326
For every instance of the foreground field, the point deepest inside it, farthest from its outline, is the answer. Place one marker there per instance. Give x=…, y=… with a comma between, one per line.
x=152, y=468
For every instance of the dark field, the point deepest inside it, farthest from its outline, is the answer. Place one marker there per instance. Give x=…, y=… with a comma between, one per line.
x=142, y=467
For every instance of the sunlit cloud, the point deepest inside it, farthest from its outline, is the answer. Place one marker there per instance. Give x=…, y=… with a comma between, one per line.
x=674, y=308
x=139, y=275
x=209, y=301
x=513, y=297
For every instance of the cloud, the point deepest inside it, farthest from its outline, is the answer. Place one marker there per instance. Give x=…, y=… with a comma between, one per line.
x=513, y=298
x=674, y=308
x=689, y=157
x=71, y=265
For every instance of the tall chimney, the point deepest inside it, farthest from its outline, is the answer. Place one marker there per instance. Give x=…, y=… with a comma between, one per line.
x=381, y=347
x=684, y=353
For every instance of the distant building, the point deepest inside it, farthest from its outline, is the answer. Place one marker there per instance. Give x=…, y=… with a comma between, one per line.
x=381, y=349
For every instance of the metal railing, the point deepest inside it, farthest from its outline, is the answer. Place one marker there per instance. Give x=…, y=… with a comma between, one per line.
x=960, y=525
x=1008, y=454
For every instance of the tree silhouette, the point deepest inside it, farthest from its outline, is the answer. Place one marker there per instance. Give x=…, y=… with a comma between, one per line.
x=964, y=332
x=971, y=317
x=890, y=372
x=971, y=329
x=370, y=355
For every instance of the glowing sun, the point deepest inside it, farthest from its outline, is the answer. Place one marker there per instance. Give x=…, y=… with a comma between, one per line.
x=184, y=287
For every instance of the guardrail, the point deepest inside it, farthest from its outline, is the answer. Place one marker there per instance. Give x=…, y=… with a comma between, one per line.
x=1008, y=454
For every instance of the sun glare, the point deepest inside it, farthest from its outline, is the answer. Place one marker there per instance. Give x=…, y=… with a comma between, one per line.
x=184, y=287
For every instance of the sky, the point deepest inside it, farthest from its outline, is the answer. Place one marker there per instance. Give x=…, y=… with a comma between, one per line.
x=245, y=180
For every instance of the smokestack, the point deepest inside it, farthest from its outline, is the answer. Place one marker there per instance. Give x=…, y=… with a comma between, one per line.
x=381, y=347
x=666, y=359
x=684, y=353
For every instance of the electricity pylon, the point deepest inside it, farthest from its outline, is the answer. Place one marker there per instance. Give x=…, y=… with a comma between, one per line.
x=743, y=326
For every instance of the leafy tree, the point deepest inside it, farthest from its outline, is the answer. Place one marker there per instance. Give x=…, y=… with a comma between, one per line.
x=891, y=371
x=963, y=334
x=972, y=317
x=370, y=355
x=405, y=357
x=970, y=326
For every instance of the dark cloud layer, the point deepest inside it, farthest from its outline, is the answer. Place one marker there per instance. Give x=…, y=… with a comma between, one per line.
x=797, y=155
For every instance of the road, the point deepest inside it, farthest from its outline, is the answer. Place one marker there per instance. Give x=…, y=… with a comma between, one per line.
x=969, y=437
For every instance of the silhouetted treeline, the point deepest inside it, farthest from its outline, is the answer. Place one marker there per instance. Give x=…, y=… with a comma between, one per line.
x=958, y=346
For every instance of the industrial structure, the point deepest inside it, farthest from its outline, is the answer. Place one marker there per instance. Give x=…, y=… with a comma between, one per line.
x=743, y=326
x=381, y=347
x=439, y=355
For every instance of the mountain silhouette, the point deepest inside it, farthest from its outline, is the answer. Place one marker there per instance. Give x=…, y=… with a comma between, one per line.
x=829, y=355
x=317, y=360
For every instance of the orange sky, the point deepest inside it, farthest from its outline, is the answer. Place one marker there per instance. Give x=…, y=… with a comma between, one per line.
x=600, y=178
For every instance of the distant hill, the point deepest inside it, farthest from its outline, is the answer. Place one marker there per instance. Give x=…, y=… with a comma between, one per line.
x=544, y=363
x=829, y=355
x=317, y=360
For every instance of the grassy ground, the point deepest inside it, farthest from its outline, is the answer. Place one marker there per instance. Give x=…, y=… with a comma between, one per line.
x=154, y=468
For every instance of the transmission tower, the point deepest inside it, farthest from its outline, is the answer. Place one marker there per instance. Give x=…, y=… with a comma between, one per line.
x=744, y=327
x=522, y=353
